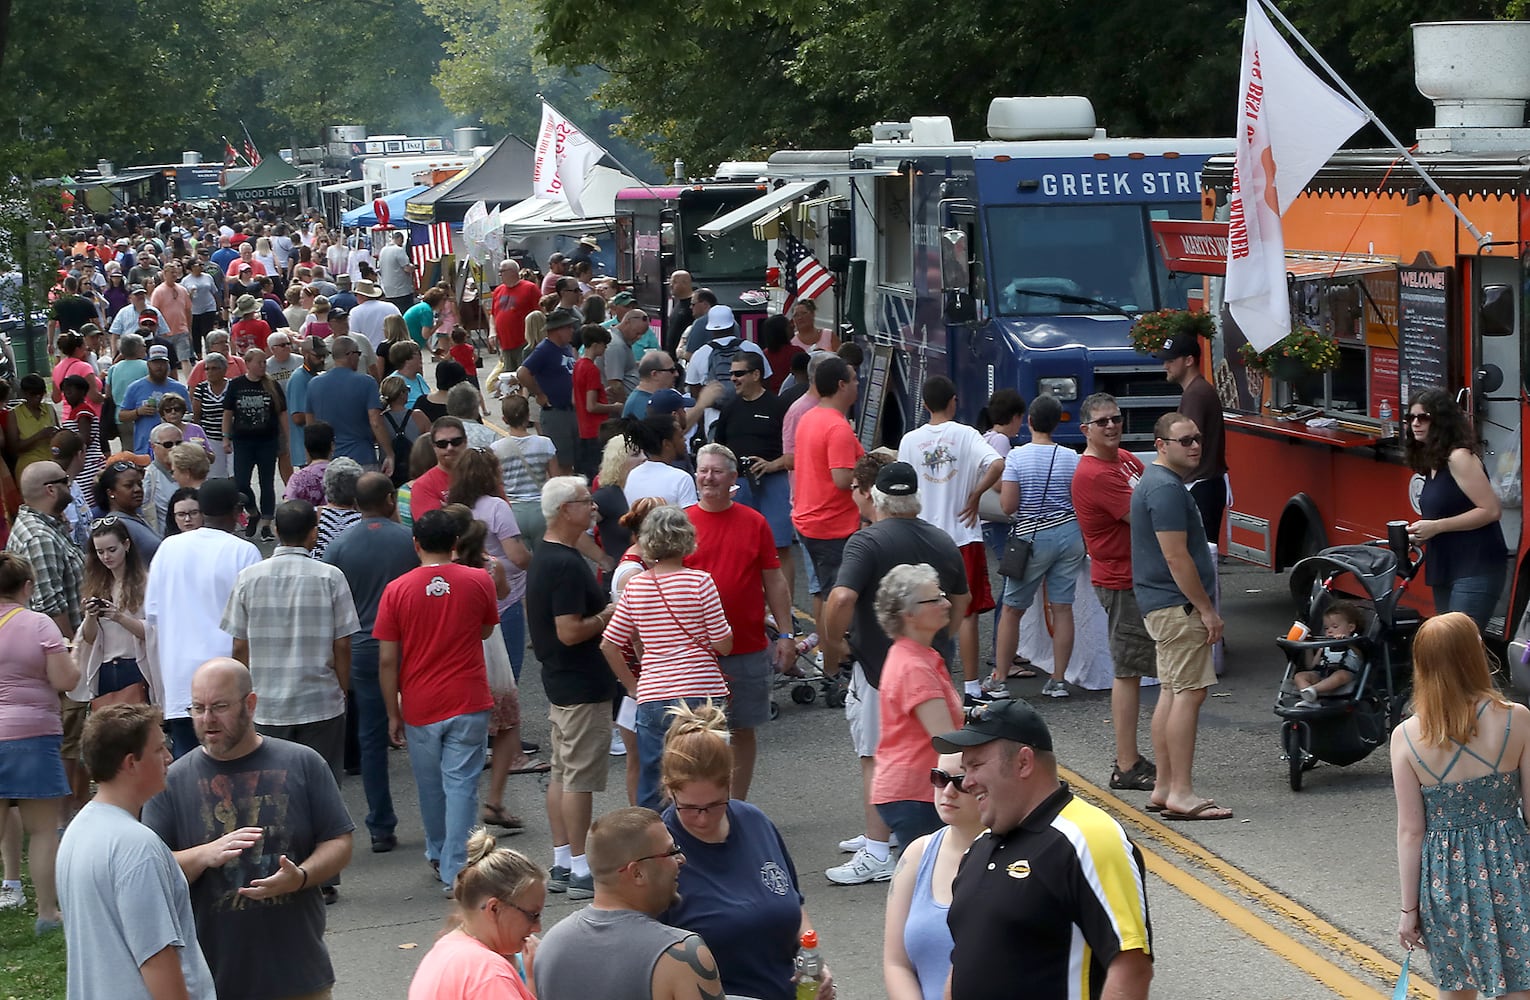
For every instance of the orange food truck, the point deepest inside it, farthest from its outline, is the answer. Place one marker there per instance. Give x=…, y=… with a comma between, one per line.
x=1414, y=301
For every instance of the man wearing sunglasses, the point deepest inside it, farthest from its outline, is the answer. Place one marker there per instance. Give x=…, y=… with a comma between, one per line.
x=1181, y=357
x=449, y=438
x=1053, y=891
x=1102, y=500
x=1174, y=576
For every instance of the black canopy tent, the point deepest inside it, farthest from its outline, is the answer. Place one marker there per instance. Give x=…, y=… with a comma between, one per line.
x=502, y=177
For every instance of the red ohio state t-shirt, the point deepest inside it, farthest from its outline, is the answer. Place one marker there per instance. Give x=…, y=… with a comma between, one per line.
x=1102, y=498
x=437, y=615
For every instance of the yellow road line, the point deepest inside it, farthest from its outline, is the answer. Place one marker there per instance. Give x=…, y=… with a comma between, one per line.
x=1369, y=958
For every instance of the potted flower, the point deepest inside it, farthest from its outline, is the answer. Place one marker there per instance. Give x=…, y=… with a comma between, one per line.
x=1151, y=329
x=1300, y=352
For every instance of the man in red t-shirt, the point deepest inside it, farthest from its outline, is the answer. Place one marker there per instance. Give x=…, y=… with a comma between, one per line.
x=1102, y=500
x=428, y=492
x=734, y=544
x=823, y=510
x=513, y=300
x=431, y=623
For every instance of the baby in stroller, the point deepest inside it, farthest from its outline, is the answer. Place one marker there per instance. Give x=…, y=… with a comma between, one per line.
x=1332, y=671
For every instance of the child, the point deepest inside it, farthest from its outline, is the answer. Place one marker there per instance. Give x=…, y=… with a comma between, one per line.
x=1335, y=668
x=463, y=353
x=590, y=403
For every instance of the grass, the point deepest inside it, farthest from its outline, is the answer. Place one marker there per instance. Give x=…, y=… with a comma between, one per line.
x=31, y=968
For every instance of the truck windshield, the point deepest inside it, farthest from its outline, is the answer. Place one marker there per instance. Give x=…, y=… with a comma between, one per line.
x=1082, y=259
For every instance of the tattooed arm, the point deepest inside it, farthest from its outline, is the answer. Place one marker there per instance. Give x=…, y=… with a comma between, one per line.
x=687, y=971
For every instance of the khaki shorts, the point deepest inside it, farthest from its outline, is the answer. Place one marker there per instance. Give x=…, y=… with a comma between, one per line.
x=1131, y=648
x=581, y=745
x=74, y=713
x=1184, y=656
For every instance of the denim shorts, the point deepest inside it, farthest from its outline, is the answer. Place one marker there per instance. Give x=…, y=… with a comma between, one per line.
x=32, y=768
x=772, y=497
x=1057, y=556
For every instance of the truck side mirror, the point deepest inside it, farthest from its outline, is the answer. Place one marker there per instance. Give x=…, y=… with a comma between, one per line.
x=955, y=264
x=1496, y=315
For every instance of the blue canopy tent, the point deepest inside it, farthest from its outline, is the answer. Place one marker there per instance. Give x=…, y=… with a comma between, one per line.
x=363, y=217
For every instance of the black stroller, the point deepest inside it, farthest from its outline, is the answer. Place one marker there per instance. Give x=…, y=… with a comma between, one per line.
x=1345, y=727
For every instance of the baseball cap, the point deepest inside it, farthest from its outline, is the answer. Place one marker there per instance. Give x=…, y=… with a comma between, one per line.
x=316, y=345
x=338, y=312
x=623, y=299
x=1010, y=719
x=1186, y=345
x=148, y=317
x=137, y=290
x=560, y=318
x=667, y=401
x=720, y=318
x=218, y=497
x=898, y=479
x=159, y=352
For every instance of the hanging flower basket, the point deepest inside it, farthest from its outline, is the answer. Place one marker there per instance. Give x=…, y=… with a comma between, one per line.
x=1151, y=329
x=1301, y=352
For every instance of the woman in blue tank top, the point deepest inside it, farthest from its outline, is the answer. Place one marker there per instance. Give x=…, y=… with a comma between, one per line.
x=916, y=943
x=1466, y=561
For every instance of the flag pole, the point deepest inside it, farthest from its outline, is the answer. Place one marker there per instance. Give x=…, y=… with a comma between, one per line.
x=228, y=146
x=1482, y=240
x=604, y=151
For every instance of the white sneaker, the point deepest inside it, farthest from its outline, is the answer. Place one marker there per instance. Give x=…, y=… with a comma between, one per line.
x=618, y=748
x=1055, y=689
x=856, y=843
x=862, y=868
x=11, y=897
x=995, y=687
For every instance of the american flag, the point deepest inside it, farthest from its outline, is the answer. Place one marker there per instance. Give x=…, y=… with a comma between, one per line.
x=802, y=276
x=438, y=244
x=250, y=153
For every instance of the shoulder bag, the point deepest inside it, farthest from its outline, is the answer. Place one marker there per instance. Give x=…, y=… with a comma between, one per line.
x=1017, y=550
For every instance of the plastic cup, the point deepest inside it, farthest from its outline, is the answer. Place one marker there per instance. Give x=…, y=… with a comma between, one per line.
x=1298, y=632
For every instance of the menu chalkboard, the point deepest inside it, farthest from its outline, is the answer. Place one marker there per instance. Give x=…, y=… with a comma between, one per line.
x=1423, y=328
x=873, y=396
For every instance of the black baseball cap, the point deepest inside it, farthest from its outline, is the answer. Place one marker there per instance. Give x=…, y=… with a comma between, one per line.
x=1012, y=719
x=218, y=497
x=898, y=479
x=1186, y=345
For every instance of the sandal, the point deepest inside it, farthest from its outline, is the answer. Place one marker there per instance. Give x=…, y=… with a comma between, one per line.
x=1022, y=668
x=531, y=767
x=498, y=817
x=1208, y=810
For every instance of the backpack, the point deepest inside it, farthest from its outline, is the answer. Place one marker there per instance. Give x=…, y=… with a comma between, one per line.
x=402, y=444
x=720, y=365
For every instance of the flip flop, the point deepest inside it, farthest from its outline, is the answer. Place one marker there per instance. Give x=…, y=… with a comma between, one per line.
x=498, y=817
x=1198, y=814
x=1023, y=673
x=536, y=767
x=1153, y=807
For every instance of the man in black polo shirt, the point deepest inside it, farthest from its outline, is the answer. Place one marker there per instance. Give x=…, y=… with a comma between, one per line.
x=1052, y=894
x=751, y=427
x=566, y=612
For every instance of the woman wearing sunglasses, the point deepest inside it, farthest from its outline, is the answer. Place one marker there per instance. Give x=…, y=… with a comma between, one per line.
x=916, y=943
x=738, y=886
x=1465, y=556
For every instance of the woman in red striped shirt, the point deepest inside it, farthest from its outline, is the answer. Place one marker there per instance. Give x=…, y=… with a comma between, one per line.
x=677, y=617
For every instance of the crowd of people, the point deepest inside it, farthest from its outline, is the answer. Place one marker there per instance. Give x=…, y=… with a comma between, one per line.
x=639, y=523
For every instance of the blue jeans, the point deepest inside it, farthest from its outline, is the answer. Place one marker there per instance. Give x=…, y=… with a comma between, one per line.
x=908, y=819
x=447, y=760
x=183, y=737
x=652, y=725
x=1474, y=596
x=512, y=625
x=372, y=737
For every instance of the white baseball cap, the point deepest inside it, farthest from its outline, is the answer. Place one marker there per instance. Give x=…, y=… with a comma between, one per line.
x=720, y=318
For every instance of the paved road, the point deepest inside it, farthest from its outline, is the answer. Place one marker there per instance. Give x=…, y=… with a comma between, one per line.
x=1294, y=898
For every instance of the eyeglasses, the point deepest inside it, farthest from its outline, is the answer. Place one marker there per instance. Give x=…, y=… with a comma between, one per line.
x=939, y=598
x=57, y=482
x=104, y=522
x=1104, y=422
x=445, y=443
x=673, y=852
x=169, y=444
x=940, y=779
x=216, y=708
x=740, y=374
x=186, y=515
x=121, y=466
x=1419, y=418
x=535, y=916
x=579, y=500
x=1187, y=441
x=701, y=810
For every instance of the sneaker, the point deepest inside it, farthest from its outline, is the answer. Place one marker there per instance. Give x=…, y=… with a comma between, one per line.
x=557, y=879
x=861, y=869
x=1309, y=695
x=581, y=886
x=12, y=897
x=1055, y=688
x=995, y=687
x=1140, y=777
x=45, y=926
x=618, y=748
x=974, y=700
x=848, y=846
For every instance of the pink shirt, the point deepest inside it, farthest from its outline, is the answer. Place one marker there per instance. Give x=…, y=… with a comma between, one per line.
x=801, y=405
x=28, y=703
x=460, y=967
x=174, y=304
x=912, y=674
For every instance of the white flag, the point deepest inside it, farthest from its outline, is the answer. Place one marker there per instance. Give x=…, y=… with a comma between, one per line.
x=1289, y=124
x=473, y=226
x=565, y=159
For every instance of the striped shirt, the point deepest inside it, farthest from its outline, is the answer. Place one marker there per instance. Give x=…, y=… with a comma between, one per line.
x=523, y=465
x=1045, y=476
x=677, y=616
x=212, y=410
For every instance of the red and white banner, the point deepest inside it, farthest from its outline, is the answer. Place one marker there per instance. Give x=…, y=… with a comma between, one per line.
x=1289, y=124
x=565, y=157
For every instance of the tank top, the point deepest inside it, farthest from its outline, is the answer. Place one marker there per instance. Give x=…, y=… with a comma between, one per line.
x=1455, y=555
x=628, y=944
x=926, y=938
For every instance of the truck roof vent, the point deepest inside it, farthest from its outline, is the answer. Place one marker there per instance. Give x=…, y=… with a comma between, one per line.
x=931, y=130
x=891, y=131
x=1019, y=118
x=1477, y=73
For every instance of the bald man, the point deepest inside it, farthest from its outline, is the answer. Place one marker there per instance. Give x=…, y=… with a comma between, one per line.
x=679, y=319
x=41, y=535
x=257, y=826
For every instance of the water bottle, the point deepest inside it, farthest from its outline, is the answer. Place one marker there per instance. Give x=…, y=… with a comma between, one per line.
x=1386, y=411
x=809, y=967
x=807, y=643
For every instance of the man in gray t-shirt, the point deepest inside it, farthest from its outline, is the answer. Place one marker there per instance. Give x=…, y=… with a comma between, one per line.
x=124, y=899
x=619, y=367
x=1173, y=577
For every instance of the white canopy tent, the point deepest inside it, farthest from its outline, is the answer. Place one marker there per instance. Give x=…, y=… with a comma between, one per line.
x=538, y=217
